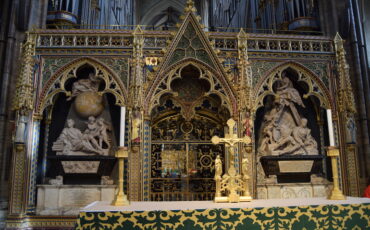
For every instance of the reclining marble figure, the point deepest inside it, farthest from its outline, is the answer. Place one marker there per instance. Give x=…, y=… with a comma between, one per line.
x=74, y=142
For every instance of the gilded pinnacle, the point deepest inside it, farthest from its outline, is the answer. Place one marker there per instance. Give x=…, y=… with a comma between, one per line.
x=190, y=6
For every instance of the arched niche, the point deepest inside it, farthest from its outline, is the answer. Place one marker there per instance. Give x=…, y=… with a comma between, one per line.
x=183, y=121
x=58, y=103
x=316, y=87
x=288, y=100
x=157, y=13
x=311, y=110
x=57, y=83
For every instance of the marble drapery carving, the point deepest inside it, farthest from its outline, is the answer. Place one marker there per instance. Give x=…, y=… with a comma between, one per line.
x=85, y=85
x=284, y=130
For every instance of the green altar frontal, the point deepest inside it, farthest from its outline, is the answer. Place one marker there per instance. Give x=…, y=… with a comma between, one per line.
x=344, y=216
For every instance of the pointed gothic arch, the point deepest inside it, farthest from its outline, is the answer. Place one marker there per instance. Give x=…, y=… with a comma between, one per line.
x=316, y=86
x=191, y=45
x=56, y=84
x=160, y=6
x=162, y=84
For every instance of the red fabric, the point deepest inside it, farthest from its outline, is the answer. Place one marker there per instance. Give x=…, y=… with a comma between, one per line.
x=367, y=192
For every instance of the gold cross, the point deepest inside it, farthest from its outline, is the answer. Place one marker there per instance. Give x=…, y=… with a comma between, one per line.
x=232, y=182
x=230, y=140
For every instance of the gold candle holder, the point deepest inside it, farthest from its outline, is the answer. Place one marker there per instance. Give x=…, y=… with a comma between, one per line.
x=120, y=198
x=336, y=193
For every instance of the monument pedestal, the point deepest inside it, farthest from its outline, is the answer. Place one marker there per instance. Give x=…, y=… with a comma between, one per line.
x=69, y=199
x=292, y=169
x=293, y=190
x=82, y=169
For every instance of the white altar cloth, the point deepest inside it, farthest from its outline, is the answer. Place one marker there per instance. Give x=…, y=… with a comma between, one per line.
x=103, y=206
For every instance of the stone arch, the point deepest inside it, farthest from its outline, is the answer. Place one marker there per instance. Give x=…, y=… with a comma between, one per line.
x=160, y=6
x=219, y=85
x=316, y=86
x=56, y=83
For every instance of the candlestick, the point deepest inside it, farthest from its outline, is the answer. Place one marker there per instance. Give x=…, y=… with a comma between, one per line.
x=122, y=127
x=330, y=127
x=120, y=198
x=336, y=193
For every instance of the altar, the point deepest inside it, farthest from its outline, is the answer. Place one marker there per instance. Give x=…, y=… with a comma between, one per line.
x=309, y=213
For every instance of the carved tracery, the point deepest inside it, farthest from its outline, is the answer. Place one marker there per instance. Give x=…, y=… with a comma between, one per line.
x=168, y=86
x=314, y=86
x=57, y=83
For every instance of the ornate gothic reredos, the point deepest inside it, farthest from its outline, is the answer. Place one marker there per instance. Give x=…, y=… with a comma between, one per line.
x=190, y=46
x=56, y=84
x=316, y=87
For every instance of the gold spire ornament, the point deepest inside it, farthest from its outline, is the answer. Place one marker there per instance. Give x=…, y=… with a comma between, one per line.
x=231, y=183
x=190, y=6
x=346, y=101
x=244, y=84
x=23, y=97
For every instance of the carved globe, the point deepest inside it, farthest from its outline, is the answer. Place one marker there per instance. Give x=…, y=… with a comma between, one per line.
x=89, y=104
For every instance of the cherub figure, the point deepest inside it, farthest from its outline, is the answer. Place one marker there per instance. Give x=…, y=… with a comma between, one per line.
x=102, y=133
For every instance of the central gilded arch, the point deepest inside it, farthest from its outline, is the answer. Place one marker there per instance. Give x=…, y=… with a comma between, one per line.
x=189, y=106
x=188, y=99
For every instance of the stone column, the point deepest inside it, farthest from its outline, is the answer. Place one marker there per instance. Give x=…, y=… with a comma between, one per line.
x=33, y=147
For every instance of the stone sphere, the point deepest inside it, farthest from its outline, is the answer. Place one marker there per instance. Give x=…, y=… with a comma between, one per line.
x=89, y=104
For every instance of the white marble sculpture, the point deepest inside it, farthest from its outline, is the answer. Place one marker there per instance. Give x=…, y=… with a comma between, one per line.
x=284, y=130
x=57, y=181
x=20, y=133
x=91, y=84
x=106, y=180
x=80, y=166
x=94, y=140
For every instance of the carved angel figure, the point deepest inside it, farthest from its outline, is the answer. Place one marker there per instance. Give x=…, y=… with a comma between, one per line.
x=287, y=94
x=91, y=84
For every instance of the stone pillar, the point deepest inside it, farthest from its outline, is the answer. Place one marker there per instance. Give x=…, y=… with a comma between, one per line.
x=362, y=86
x=32, y=153
x=9, y=53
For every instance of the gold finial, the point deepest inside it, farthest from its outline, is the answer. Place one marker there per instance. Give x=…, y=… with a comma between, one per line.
x=242, y=33
x=337, y=37
x=190, y=6
x=138, y=30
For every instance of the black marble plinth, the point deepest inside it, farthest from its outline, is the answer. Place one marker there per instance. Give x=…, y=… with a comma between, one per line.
x=292, y=169
x=106, y=164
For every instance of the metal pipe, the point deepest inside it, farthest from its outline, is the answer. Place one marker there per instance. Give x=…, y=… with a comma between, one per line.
x=361, y=98
x=362, y=45
x=7, y=69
